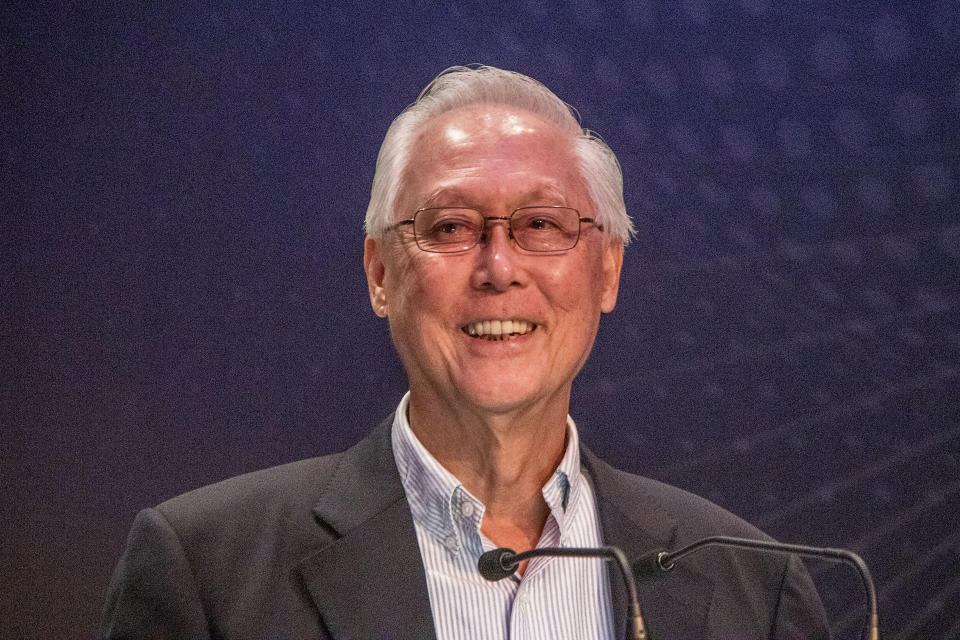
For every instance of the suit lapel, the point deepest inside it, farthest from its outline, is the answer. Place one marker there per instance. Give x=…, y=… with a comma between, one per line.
x=370, y=581
x=675, y=605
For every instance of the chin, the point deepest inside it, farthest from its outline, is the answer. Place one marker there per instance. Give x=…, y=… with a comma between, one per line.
x=503, y=397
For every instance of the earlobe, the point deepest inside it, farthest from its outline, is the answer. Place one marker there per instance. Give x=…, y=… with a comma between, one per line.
x=612, y=263
x=373, y=266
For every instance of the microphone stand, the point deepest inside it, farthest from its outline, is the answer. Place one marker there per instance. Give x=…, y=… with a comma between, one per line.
x=500, y=563
x=666, y=561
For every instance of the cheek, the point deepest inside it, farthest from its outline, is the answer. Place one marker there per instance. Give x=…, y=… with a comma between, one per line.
x=419, y=291
x=575, y=287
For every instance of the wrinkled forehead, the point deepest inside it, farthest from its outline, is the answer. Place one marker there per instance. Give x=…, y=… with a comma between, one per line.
x=484, y=144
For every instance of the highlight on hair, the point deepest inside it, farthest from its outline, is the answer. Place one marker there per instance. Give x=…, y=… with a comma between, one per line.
x=459, y=87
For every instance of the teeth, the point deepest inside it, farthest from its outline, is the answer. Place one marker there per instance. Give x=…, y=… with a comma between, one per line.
x=499, y=329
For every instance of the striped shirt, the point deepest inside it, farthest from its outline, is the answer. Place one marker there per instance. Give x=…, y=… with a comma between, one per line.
x=555, y=597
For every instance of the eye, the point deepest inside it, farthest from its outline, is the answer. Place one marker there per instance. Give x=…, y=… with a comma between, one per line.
x=538, y=221
x=546, y=228
x=447, y=227
x=541, y=224
x=451, y=223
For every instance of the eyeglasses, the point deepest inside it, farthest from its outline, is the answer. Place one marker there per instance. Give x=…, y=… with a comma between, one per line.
x=457, y=229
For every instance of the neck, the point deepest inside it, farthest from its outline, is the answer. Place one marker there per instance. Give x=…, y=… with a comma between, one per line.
x=504, y=459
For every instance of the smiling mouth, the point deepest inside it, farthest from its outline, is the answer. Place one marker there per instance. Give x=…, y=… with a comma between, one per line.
x=498, y=329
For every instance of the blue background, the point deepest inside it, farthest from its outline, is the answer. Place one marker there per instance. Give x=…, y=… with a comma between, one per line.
x=183, y=298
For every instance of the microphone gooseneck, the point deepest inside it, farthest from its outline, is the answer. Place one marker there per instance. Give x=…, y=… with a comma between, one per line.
x=503, y=562
x=657, y=563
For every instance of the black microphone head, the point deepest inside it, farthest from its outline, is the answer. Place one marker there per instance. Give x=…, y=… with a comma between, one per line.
x=497, y=564
x=648, y=566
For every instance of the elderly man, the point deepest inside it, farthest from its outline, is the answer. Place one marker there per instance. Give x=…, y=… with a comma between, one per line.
x=495, y=237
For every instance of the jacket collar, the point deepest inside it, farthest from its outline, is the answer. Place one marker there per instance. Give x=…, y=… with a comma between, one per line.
x=369, y=582
x=635, y=519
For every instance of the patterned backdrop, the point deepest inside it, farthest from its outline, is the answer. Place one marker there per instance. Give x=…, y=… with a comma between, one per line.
x=183, y=298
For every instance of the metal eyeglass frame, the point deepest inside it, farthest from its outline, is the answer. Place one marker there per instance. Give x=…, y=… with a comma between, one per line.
x=509, y=221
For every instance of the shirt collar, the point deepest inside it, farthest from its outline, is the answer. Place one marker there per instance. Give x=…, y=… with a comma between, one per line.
x=442, y=506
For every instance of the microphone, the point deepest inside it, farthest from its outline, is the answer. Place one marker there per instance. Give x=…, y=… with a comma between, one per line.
x=657, y=563
x=503, y=562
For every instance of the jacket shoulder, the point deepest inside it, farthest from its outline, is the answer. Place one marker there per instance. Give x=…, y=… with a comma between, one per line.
x=228, y=556
x=747, y=594
x=286, y=492
x=284, y=495
x=699, y=517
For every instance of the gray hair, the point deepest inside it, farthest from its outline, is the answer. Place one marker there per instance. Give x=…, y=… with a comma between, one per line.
x=459, y=87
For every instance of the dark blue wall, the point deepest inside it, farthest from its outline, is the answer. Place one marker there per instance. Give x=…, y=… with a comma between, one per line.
x=183, y=299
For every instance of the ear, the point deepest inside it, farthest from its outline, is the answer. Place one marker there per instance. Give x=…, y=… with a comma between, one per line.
x=612, y=262
x=373, y=265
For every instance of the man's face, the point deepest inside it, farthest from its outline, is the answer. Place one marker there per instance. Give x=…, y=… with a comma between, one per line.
x=493, y=159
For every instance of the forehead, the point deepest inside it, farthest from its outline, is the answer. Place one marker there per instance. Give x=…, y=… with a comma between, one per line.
x=492, y=151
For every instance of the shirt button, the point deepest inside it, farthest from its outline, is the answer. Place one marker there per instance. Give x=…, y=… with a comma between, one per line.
x=466, y=509
x=523, y=599
x=451, y=542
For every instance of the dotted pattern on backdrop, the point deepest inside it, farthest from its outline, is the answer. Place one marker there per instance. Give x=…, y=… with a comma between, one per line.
x=184, y=186
x=794, y=335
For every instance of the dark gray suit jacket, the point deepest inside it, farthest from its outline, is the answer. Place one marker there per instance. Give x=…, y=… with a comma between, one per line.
x=326, y=548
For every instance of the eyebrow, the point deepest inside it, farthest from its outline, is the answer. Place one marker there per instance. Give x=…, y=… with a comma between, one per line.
x=543, y=191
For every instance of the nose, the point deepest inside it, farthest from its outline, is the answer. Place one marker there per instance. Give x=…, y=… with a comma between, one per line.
x=496, y=267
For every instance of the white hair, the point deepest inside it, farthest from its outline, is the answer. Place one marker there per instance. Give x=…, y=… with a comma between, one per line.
x=459, y=87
